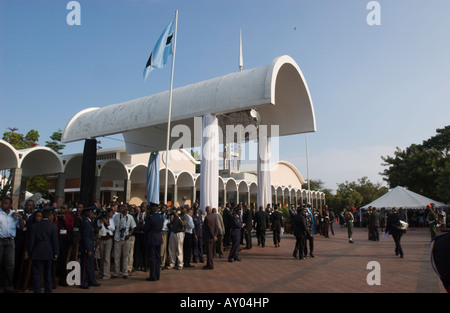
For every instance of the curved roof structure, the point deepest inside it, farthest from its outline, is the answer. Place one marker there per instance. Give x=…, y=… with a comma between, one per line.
x=278, y=92
x=33, y=161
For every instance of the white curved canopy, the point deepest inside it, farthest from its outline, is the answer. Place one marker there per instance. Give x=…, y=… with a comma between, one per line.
x=278, y=92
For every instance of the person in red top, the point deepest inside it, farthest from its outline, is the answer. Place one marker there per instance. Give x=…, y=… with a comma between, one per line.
x=64, y=222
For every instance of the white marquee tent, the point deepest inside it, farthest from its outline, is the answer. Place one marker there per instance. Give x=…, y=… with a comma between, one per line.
x=401, y=197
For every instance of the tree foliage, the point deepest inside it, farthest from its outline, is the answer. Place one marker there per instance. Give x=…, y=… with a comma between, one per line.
x=348, y=194
x=422, y=168
x=56, y=144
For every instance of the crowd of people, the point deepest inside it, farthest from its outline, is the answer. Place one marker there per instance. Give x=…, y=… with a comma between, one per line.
x=118, y=239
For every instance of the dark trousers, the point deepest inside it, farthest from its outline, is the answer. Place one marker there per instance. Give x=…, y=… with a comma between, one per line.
x=154, y=261
x=248, y=238
x=39, y=268
x=398, y=247
x=61, y=270
x=187, y=248
x=209, y=247
x=140, y=261
x=375, y=233
x=7, y=258
x=198, y=249
x=276, y=236
x=300, y=242
x=261, y=235
x=311, y=244
x=87, y=270
x=218, y=246
x=226, y=236
x=235, y=240
x=325, y=229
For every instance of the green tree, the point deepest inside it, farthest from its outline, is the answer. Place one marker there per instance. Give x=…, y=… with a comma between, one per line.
x=20, y=141
x=422, y=168
x=56, y=144
x=357, y=193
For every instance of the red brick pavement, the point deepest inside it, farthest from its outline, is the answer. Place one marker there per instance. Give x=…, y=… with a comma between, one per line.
x=338, y=267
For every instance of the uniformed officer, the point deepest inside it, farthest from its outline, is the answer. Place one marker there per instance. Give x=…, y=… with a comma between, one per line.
x=43, y=249
x=236, y=227
x=87, y=249
x=152, y=228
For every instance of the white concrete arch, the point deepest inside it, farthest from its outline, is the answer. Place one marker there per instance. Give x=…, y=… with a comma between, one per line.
x=113, y=169
x=170, y=176
x=184, y=179
x=39, y=161
x=8, y=156
x=137, y=173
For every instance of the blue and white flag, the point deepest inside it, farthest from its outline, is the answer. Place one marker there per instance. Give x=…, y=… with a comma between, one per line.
x=163, y=48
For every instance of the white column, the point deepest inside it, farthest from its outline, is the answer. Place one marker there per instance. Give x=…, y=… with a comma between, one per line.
x=264, y=195
x=209, y=169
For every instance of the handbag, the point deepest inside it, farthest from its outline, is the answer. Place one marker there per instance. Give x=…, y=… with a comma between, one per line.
x=403, y=225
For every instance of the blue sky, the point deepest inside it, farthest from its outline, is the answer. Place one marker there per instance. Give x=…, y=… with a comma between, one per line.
x=373, y=87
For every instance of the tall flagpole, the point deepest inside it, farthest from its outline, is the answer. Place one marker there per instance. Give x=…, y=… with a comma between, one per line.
x=241, y=61
x=170, y=107
x=307, y=169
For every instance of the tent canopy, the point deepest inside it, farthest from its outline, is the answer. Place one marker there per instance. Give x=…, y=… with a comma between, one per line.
x=402, y=197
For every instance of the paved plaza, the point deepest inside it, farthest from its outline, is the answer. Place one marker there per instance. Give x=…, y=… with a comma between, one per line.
x=338, y=267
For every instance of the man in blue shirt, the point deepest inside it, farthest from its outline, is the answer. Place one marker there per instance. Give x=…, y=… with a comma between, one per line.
x=9, y=222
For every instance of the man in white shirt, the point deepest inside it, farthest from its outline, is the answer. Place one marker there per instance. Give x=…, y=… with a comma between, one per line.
x=188, y=238
x=9, y=221
x=124, y=227
x=106, y=233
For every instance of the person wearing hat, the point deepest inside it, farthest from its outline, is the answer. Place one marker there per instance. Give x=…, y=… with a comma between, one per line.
x=87, y=249
x=152, y=228
x=43, y=250
x=236, y=226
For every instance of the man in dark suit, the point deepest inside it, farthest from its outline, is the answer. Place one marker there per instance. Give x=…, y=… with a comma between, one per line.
x=209, y=237
x=198, y=236
x=236, y=227
x=392, y=225
x=227, y=214
x=261, y=224
x=87, y=249
x=375, y=224
x=152, y=228
x=277, y=223
x=300, y=230
x=247, y=219
x=43, y=249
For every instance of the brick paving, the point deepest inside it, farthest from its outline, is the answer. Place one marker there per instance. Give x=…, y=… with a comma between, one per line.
x=338, y=267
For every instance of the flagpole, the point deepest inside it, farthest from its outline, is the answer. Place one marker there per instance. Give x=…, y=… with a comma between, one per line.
x=307, y=169
x=170, y=108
